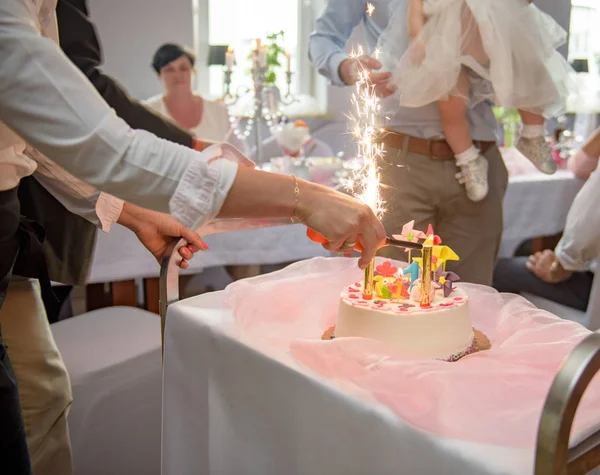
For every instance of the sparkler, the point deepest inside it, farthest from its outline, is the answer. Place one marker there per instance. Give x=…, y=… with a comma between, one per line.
x=365, y=185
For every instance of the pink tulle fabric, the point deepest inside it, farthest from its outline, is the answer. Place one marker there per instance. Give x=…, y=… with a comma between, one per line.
x=495, y=396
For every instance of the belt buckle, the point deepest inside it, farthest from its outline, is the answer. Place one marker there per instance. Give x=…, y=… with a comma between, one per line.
x=430, y=144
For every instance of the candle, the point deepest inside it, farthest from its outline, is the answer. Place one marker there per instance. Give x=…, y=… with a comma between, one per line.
x=368, y=282
x=288, y=55
x=262, y=56
x=229, y=58
x=426, y=276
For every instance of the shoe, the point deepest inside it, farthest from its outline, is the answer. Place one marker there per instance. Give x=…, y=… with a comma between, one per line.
x=539, y=152
x=473, y=175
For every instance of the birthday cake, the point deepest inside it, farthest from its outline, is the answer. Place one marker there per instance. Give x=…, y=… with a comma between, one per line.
x=394, y=308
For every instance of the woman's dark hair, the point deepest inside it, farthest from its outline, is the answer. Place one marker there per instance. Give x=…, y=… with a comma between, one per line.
x=168, y=53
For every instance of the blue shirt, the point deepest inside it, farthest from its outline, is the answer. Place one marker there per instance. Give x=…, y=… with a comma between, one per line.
x=327, y=50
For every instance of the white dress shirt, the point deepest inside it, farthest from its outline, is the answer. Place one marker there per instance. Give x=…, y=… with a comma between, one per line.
x=579, y=247
x=16, y=162
x=53, y=107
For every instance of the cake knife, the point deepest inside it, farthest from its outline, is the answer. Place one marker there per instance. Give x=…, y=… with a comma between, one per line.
x=388, y=241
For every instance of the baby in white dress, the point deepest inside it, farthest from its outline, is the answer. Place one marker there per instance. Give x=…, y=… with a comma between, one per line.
x=462, y=52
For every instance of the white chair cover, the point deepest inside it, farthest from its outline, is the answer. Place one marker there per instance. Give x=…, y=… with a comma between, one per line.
x=113, y=356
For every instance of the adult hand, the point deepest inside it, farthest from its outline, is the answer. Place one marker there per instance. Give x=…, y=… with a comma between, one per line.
x=341, y=220
x=349, y=69
x=546, y=267
x=157, y=231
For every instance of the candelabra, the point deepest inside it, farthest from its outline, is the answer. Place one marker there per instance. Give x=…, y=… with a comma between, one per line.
x=267, y=104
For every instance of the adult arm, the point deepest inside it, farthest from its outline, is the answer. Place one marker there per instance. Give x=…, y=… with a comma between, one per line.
x=580, y=244
x=585, y=161
x=327, y=43
x=49, y=103
x=79, y=41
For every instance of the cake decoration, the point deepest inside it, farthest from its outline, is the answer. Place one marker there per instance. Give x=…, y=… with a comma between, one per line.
x=445, y=279
x=409, y=233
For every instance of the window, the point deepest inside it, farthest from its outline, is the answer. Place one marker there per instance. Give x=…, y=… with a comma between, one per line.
x=238, y=23
x=584, y=42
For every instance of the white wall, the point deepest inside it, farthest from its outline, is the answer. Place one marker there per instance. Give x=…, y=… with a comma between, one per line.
x=560, y=10
x=131, y=30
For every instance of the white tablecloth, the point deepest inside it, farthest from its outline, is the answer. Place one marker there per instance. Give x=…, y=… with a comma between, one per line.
x=229, y=408
x=120, y=256
x=535, y=205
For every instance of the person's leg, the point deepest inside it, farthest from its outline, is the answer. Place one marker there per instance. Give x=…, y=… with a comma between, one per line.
x=14, y=456
x=61, y=307
x=457, y=131
x=407, y=184
x=472, y=229
x=44, y=386
x=453, y=113
x=532, y=142
x=511, y=275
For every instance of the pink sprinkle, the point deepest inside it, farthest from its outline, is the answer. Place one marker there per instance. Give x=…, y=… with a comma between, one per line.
x=447, y=304
x=458, y=299
x=352, y=296
x=357, y=284
x=404, y=309
x=352, y=290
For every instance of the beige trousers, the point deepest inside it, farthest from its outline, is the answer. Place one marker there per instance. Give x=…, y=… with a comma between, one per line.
x=44, y=386
x=417, y=187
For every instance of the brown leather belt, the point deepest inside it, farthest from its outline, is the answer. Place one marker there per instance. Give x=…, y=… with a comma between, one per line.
x=437, y=149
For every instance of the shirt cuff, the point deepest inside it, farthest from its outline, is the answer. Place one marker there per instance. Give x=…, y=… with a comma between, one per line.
x=571, y=261
x=334, y=68
x=108, y=210
x=205, y=185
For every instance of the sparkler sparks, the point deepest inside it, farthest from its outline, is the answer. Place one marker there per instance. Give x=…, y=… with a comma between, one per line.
x=365, y=183
x=370, y=9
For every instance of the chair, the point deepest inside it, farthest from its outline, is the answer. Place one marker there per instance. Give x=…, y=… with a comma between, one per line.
x=553, y=455
x=590, y=318
x=113, y=356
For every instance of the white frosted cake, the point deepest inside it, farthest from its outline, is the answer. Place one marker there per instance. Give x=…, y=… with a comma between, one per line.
x=440, y=330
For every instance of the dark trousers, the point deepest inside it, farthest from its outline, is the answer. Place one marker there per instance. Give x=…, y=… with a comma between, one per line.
x=14, y=455
x=511, y=275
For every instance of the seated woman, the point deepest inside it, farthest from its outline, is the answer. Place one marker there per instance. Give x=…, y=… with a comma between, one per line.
x=207, y=120
x=564, y=275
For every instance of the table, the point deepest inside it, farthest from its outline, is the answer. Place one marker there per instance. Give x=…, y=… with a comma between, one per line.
x=535, y=205
x=237, y=406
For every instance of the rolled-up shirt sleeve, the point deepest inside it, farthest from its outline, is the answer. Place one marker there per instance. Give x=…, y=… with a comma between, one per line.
x=47, y=101
x=580, y=243
x=101, y=209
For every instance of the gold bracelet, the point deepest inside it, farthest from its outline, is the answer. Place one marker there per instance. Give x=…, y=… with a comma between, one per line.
x=294, y=217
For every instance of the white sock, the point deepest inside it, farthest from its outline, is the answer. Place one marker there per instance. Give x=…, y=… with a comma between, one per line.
x=533, y=131
x=467, y=156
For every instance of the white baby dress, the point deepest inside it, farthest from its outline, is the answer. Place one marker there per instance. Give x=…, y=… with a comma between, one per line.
x=507, y=48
